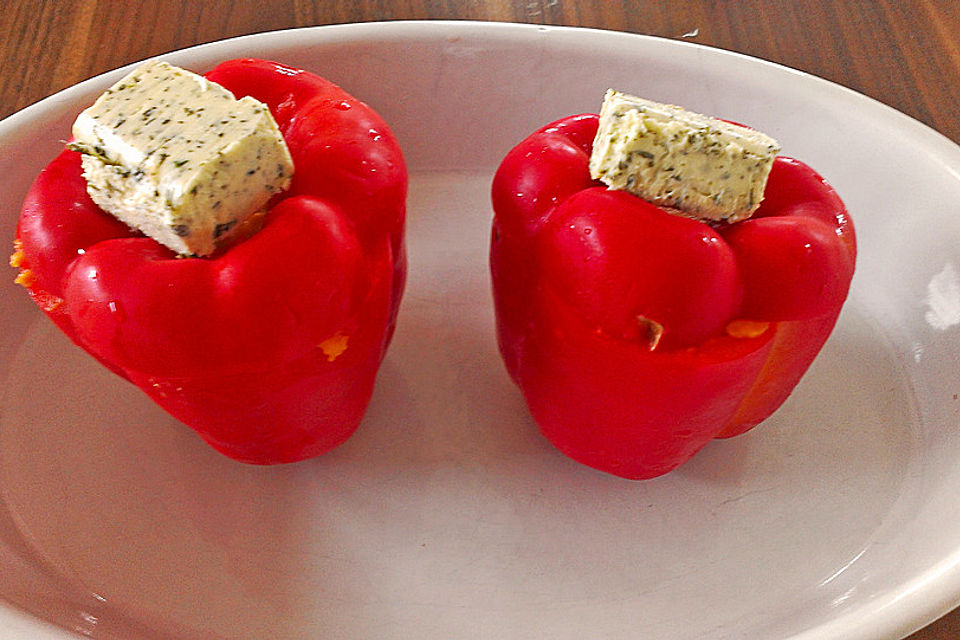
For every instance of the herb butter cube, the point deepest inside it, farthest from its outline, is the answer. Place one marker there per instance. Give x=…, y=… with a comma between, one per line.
x=179, y=158
x=705, y=168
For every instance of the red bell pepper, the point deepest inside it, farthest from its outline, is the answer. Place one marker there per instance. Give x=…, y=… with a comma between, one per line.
x=269, y=349
x=635, y=335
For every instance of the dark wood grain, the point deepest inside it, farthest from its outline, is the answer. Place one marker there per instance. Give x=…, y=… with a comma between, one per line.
x=905, y=53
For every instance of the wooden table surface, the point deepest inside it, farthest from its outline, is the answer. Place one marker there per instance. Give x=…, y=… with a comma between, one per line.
x=905, y=53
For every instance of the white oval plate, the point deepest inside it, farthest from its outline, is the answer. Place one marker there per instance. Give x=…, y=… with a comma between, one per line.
x=447, y=515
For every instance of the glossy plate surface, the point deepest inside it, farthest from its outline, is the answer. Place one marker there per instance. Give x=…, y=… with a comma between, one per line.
x=447, y=515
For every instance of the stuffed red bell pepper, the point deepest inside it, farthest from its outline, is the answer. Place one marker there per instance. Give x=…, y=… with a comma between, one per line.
x=637, y=335
x=269, y=346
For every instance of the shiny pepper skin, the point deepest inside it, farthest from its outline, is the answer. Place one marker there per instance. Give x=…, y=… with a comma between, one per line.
x=635, y=335
x=269, y=350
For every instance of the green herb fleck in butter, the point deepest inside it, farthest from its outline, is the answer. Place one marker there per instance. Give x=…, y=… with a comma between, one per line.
x=179, y=158
x=705, y=168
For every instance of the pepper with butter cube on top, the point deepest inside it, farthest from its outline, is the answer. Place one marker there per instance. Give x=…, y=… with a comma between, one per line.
x=270, y=347
x=637, y=335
